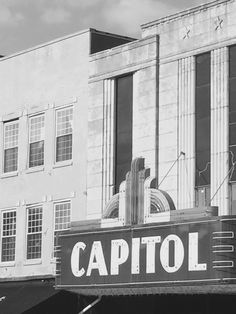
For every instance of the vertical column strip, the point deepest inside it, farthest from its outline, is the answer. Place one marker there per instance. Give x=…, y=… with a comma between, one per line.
x=186, y=133
x=108, y=141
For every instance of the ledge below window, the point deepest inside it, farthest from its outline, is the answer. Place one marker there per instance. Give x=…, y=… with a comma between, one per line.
x=7, y=264
x=63, y=164
x=34, y=169
x=9, y=174
x=35, y=261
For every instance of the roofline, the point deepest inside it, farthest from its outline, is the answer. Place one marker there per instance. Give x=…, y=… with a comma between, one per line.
x=88, y=30
x=183, y=13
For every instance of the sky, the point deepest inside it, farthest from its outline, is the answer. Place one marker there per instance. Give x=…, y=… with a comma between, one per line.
x=28, y=23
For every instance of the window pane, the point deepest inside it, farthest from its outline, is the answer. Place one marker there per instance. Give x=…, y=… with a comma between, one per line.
x=36, y=154
x=203, y=134
x=64, y=121
x=11, y=130
x=203, y=69
x=34, y=242
x=9, y=223
x=203, y=102
x=10, y=159
x=232, y=160
x=232, y=134
x=232, y=95
x=64, y=148
x=203, y=168
x=124, y=142
x=232, y=58
x=36, y=128
x=35, y=219
x=62, y=216
x=8, y=249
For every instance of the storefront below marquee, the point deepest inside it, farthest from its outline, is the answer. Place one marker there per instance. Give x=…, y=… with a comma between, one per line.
x=37, y=297
x=166, y=304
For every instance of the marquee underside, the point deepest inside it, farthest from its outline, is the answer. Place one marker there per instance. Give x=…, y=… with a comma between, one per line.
x=175, y=289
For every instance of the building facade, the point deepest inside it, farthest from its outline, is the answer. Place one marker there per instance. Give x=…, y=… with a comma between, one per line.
x=166, y=103
x=44, y=97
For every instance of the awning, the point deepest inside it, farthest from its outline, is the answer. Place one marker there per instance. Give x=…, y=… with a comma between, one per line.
x=35, y=297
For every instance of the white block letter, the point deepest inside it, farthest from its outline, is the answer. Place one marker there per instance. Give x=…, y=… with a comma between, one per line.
x=77, y=272
x=96, y=260
x=193, y=254
x=178, y=253
x=119, y=254
x=150, y=252
x=135, y=267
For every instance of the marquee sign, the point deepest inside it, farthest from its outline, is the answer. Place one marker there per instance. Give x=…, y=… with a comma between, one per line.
x=191, y=252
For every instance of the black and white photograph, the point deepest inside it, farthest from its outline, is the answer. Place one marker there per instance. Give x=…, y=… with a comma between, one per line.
x=117, y=156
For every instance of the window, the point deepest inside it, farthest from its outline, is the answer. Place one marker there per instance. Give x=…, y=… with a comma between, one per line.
x=123, y=123
x=11, y=132
x=34, y=232
x=62, y=214
x=202, y=120
x=232, y=113
x=8, y=236
x=64, y=130
x=36, y=141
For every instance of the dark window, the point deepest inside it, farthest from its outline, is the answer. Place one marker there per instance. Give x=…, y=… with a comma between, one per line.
x=123, y=151
x=232, y=113
x=36, y=157
x=202, y=119
x=10, y=159
x=64, y=147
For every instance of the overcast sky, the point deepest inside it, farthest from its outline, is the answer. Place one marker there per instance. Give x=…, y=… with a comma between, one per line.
x=26, y=23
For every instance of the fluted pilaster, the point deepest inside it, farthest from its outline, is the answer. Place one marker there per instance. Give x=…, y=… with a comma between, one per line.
x=186, y=130
x=108, y=141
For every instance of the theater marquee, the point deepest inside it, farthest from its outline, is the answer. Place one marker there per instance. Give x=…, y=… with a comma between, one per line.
x=191, y=252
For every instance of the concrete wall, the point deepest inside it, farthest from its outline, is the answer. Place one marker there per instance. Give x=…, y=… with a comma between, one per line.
x=209, y=27
x=42, y=80
x=139, y=57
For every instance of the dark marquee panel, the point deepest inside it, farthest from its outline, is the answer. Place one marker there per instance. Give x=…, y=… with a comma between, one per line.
x=131, y=259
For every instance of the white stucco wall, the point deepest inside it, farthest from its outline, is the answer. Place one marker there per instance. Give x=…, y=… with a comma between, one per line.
x=43, y=79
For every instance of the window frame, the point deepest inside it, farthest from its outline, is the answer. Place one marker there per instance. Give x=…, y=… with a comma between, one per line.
x=66, y=201
x=33, y=142
x=5, y=123
x=65, y=161
x=10, y=236
x=30, y=233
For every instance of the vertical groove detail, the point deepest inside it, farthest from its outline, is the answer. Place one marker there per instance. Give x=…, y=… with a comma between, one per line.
x=108, y=142
x=186, y=132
